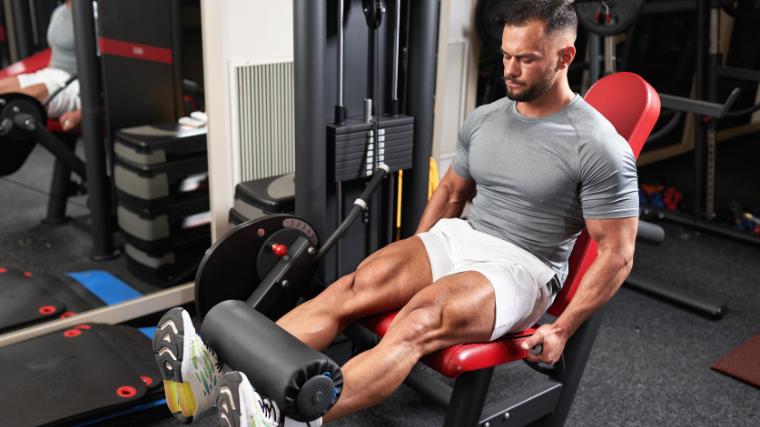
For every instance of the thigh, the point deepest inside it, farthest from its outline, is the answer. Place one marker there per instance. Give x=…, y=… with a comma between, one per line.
x=65, y=101
x=519, y=299
x=9, y=84
x=458, y=308
x=38, y=90
x=384, y=281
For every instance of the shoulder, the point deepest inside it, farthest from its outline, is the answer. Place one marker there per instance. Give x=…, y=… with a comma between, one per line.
x=60, y=11
x=487, y=110
x=483, y=113
x=594, y=130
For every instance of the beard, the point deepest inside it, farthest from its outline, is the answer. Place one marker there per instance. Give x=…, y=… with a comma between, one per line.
x=531, y=92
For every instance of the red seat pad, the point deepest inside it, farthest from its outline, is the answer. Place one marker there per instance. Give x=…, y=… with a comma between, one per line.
x=27, y=65
x=460, y=358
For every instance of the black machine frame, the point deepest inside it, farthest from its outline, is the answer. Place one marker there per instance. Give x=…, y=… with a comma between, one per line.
x=315, y=194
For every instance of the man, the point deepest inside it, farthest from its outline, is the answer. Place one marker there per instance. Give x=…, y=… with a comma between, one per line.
x=538, y=166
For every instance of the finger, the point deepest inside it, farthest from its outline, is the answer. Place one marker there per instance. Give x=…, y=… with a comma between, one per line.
x=532, y=341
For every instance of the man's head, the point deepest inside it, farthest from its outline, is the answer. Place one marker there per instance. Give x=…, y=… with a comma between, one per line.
x=537, y=46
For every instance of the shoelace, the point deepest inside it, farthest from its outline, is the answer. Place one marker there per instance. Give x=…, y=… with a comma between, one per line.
x=218, y=364
x=267, y=408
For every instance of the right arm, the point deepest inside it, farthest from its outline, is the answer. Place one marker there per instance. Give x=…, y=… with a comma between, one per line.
x=448, y=200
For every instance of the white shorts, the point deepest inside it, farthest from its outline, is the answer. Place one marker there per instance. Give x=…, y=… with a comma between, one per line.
x=521, y=282
x=53, y=79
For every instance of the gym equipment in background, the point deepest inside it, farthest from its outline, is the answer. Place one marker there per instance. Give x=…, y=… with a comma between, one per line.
x=607, y=18
x=277, y=254
x=20, y=143
x=654, y=234
x=357, y=144
x=22, y=125
x=161, y=183
x=81, y=374
x=258, y=198
x=26, y=26
x=148, y=48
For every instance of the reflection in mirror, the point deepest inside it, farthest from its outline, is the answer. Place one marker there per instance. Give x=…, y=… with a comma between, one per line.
x=82, y=227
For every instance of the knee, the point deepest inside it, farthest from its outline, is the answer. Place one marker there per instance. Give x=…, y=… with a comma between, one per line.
x=365, y=280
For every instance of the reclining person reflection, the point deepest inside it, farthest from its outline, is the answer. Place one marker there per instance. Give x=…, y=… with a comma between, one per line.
x=59, y=77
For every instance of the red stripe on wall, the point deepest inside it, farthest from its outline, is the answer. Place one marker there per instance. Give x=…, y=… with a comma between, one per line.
x=135, y=50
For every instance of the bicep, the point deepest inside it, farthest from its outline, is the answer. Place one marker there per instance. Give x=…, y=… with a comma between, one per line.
x=616, y=234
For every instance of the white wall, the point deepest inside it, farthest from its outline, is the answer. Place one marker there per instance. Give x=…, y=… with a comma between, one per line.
x=456, y=80
x=235, y=31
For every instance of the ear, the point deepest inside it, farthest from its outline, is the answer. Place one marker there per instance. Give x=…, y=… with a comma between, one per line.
x=565, y=57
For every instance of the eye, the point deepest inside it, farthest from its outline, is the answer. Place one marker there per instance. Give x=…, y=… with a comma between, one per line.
x=527, y=60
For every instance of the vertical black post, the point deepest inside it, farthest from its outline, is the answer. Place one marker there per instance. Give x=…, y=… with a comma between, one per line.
x=593, y=58
x=179, y=91
x=309, y=32
x=711, y=74
x=577, y=352
x=422, y=54
x=60, y=185
x=699, y=125
x=466, y=404
x=98, y=185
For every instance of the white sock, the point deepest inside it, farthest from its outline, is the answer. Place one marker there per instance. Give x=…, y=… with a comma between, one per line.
x=289, y=422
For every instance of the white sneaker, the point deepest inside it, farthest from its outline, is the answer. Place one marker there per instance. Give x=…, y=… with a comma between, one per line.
x=240, y=406
x=190, y=370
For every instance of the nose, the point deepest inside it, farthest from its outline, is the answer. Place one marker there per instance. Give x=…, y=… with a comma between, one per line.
x=511, y=68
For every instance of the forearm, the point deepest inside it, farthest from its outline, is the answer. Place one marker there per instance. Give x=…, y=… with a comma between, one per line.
x=600, y=283
x=442, y=204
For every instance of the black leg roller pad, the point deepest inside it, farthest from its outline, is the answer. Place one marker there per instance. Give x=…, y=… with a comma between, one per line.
x=302, y=381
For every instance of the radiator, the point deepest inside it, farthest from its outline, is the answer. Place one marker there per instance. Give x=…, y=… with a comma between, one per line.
x=262, y=119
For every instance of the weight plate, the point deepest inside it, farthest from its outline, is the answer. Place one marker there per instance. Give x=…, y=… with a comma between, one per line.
x=12, y=104
x=741, y=8
x=608, y=18
x=229, y=268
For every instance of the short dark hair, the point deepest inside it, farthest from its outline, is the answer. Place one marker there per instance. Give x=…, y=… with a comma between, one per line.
x=558, y=15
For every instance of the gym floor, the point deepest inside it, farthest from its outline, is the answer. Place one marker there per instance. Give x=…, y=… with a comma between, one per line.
x=649, y=365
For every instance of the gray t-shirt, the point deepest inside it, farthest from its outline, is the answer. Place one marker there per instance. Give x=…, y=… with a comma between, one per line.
x=538, y=178
x=60, y=37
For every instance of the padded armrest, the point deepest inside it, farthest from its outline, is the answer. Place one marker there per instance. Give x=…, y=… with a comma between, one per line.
x=29, y=64
x=455, y=360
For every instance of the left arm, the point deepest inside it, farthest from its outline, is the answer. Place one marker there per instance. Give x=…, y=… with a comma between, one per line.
x=616, y=240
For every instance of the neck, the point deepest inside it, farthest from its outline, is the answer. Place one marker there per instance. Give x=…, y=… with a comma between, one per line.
x=558, y=96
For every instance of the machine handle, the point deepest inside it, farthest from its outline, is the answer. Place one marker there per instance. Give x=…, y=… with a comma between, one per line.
x=360, y=205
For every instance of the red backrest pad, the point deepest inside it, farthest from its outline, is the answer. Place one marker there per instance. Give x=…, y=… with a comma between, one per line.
x=632, y=106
